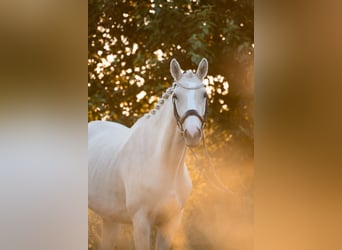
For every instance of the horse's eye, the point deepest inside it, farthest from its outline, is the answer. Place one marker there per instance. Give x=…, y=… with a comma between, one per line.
x=174, y=96
x=205, y=95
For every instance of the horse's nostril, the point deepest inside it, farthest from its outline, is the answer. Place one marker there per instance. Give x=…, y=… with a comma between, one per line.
x=192, y=134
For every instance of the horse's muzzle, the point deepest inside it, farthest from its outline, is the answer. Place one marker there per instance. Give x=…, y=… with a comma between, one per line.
x=192, y=131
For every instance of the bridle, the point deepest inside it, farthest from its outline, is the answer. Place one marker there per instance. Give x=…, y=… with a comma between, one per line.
x=180, y=119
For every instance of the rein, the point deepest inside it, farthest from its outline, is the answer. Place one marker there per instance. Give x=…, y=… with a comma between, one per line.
x=218, y=185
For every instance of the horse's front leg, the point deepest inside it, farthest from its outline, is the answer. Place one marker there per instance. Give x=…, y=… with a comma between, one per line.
x=110, y=232
x=141, y=231
x=166, y=232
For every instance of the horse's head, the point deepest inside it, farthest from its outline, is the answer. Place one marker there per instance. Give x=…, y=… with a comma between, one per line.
x=190, y=101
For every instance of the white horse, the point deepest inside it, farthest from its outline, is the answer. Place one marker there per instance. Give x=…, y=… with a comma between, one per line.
x=137, y=175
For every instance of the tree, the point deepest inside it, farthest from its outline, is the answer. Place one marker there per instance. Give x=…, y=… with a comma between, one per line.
x=131, y=44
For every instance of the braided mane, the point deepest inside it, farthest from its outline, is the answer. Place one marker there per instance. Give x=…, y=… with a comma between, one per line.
x=161, y=101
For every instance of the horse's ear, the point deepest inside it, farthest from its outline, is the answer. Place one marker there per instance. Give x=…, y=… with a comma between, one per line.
x=175, y=70
x=202, y=69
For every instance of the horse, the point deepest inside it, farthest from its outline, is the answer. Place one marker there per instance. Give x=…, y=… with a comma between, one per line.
x=137, y=175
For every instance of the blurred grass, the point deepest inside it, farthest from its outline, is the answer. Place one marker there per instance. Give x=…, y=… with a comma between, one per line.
x=212, y=220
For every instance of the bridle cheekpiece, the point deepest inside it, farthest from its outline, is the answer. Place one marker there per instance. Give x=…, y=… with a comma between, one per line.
x=180, y=119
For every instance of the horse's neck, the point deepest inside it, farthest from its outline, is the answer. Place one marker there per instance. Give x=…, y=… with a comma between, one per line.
x=163, y=132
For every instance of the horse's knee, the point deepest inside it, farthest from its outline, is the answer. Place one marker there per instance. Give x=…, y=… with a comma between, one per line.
x=166, y=233
x=141, y=231
x=110, y=232
x=162, y=241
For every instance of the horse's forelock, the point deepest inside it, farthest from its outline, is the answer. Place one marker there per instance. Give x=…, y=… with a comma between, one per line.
x=188, y=74
x=189, y=79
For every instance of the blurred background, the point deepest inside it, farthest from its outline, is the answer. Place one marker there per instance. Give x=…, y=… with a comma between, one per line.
x=44, y=114
x=130, y=46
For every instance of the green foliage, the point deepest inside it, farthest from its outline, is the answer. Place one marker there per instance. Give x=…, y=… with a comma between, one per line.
x=131, y=44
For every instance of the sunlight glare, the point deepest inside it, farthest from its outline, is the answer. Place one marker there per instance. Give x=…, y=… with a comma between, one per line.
x=141, y=95
x=159, y=53
x=152, y=99
x=135, y=48
x=110, y=58
x=139, y=80
x=101, y=29
x=105, y=63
